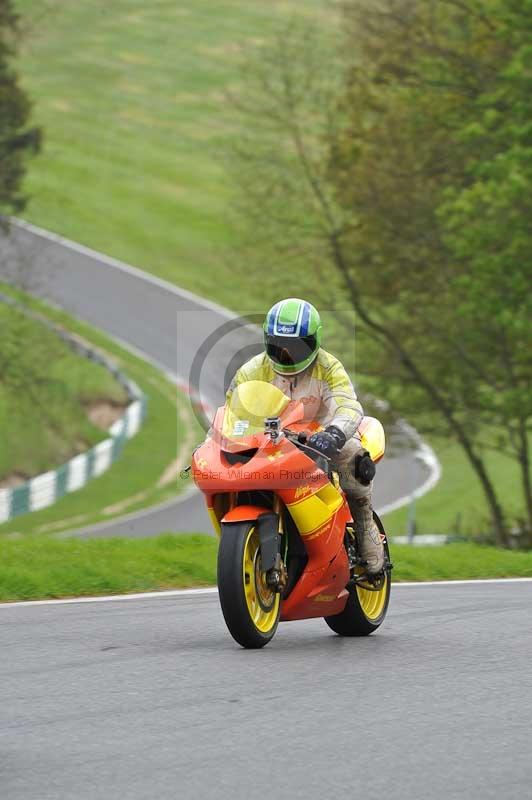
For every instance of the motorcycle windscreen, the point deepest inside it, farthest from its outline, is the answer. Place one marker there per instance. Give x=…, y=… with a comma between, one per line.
x=251, y=402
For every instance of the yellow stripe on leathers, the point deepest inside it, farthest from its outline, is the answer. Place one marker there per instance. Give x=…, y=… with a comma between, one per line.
x=316, y=510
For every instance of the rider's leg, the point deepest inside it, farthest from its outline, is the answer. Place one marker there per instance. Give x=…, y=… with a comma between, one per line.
x=359, y=499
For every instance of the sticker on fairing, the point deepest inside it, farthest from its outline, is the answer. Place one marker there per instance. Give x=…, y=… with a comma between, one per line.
x=240, y=427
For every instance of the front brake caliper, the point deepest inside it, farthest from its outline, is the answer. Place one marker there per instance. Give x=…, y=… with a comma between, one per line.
x=277, y=577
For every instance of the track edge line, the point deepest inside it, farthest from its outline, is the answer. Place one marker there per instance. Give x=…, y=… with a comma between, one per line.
x=207, y=590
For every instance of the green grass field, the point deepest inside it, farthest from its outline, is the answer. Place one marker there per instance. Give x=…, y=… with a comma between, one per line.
x=39, y=567
x=134, y=481
x=46, y=391
x=132, y=102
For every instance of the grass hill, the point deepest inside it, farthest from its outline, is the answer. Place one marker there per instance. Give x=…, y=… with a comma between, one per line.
x=131, y=97
x=46, y=395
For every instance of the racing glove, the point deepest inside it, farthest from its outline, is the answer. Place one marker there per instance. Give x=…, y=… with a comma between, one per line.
x=329, y=442
x=364, y=469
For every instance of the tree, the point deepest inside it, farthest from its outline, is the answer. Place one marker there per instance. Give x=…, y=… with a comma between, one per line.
x=441, y=75
x=17, y=138
x=363, y=177
x=487, y=222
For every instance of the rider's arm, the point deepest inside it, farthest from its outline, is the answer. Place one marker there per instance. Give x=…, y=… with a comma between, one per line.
x=341, y=401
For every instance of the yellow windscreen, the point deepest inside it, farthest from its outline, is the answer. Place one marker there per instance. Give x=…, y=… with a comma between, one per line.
x=250, y=404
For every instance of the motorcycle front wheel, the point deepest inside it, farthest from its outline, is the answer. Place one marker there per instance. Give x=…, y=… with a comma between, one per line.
x=250, y=607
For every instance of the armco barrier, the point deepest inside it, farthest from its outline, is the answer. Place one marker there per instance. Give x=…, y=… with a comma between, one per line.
x=44, y=490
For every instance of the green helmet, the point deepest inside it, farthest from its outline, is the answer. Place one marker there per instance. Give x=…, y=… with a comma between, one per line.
x=292, y=335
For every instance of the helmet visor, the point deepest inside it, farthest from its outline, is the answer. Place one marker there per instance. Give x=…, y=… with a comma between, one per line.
x=289, y=351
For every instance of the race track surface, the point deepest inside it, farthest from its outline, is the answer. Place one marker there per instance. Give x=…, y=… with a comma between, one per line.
x=145, y=698
x=170, y=327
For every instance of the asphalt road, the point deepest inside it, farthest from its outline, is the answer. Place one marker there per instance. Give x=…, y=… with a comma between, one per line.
x=151, y=698
x=190, y=338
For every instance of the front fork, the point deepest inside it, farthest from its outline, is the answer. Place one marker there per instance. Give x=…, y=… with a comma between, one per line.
x=270, y=529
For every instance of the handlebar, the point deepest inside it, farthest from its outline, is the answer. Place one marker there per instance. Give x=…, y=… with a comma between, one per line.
x=300, y=439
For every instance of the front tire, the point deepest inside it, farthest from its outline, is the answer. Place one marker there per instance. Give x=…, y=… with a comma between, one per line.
x=250, y=607
x=365, y=609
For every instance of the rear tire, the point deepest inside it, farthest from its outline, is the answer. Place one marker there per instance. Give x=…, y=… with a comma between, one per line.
x=365, y=610
x=251, y=609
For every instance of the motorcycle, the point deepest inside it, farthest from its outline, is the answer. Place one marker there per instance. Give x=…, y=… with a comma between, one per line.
x=288, y=547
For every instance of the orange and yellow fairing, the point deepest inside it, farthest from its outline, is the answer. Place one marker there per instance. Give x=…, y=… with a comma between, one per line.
x=372, y=437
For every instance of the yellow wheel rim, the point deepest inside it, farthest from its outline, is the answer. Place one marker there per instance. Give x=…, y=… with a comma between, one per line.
x=262, y=602
x=371, y=602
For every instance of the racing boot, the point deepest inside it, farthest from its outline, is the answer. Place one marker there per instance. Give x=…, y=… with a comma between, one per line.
x=371, y=548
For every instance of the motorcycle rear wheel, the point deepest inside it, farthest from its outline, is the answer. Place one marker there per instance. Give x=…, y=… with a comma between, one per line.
x=365, y=609
x=250, y=607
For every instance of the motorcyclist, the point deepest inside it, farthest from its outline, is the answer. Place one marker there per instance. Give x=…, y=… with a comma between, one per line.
x=295, y=362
